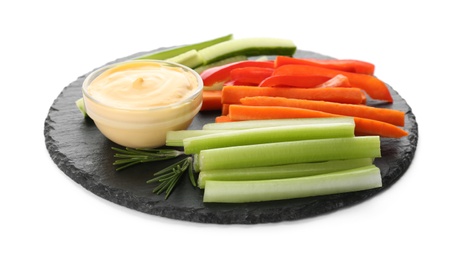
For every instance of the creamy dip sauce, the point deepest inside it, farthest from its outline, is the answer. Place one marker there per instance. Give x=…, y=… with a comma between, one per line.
x=141, y=85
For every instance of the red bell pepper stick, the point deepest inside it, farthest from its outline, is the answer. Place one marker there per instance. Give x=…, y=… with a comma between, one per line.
x=301, y=81
x=355, y=66
x=250, y=75
x=374, y=87
x=337, y=81
x=221, y=74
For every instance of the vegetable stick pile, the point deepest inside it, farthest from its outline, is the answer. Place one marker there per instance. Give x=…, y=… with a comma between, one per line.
x=260, y=160
x=290, y=87
x=290, y=128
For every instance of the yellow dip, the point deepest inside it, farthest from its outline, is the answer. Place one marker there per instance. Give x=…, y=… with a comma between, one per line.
x=135, y=103
x=141, y=85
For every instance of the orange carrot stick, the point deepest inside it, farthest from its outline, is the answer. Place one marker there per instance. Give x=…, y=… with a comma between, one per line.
x=391, y=116
x=363, y=126
x=225, y=109
x=242, y=112
x=211, y=100
x=223, y=119
x=233, y=94
x=373, y=86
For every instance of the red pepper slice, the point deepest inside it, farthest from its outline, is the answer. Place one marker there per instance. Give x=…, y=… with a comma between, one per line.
x=375, y=88
x=221, y=74
x=355, y=66
x=301, y=81
x=251, y=75
x=337, y=81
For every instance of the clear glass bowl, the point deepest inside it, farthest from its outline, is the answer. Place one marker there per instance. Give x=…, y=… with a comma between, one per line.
x=142, y=127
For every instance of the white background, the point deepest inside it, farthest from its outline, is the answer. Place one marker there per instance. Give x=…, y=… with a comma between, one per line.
x=45, y=45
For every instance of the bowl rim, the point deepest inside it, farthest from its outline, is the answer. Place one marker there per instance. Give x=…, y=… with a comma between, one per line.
x=95, y=73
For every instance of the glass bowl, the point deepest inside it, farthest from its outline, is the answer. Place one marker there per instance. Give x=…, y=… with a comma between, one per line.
x=144, y=118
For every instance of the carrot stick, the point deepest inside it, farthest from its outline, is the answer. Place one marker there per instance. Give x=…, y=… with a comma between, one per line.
x=363, y=126
x=225, y=109
x=223, y=119
x=391, y=116
x=233, y=94
x=211, y=100
x=355, y=66
x=243, y=112
x=373, y=86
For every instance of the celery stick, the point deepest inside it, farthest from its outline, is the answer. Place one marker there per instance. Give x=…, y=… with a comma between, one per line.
x=176, y=138
x=280, y=171
x=357, y=179
x=81, y=106
x=280, y=153
x=196, y=162
x=194, y=145
x=175, y=51
x=190, y=59
x=274, y=122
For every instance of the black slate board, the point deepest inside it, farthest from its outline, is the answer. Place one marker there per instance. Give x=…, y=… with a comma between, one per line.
x=85, y=155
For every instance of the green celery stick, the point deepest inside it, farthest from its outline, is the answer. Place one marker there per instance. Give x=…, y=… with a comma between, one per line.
x=196, y=162
x=238, y=125
x=175, y=51
x=176, y=138
x=280, y=153
x=363, y=178
x=194, y=145
x=280, y=171
x=81, y=106
x=190, y=59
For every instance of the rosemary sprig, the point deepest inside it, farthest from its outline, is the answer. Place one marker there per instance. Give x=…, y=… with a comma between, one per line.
x=166, y=178
x=129, y=156
x=170, y=176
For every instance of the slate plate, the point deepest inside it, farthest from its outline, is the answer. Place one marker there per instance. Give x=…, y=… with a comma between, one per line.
x=85, y=155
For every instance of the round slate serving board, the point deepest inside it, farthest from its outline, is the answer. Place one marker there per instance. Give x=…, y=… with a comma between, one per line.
x=85, y=155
